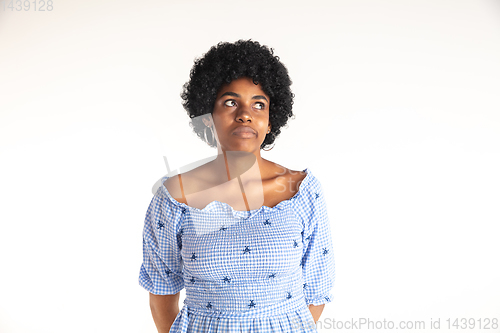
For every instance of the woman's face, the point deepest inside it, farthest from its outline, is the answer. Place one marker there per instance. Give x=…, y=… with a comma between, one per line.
x=241, y=103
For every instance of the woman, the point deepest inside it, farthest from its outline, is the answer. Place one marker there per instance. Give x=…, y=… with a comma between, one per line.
x=249, y=239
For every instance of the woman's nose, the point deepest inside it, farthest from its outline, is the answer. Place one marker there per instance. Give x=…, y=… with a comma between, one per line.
x=244, y=111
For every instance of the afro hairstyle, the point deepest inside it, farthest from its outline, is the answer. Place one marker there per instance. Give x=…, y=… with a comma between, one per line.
x=226, y=62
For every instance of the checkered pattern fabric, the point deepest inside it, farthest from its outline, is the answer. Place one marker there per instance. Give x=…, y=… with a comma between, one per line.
x=243, y=271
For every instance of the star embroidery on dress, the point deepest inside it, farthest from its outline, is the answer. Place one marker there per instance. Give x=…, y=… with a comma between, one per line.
x=295, y=244
x=209, y=305
x=168, y=271
x=327, y=298
x=289, y=295
x=304, y=285
x=192, y=279
x=317, y=195
x=246, y=250
x=267, y=222
x=183, y=210
x=160, y=225
x=252, y=304
x=223, y=228
x=272, y=275
x=226, y=279
x=308, y=237
x=179, y=239
x=325, y=251
x=193, y=257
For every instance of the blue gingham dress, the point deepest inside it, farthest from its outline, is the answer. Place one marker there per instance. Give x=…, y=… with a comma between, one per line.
x=244, y=271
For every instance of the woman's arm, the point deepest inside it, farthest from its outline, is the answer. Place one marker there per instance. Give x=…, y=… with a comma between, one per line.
x=316, y=311
x=164, y=309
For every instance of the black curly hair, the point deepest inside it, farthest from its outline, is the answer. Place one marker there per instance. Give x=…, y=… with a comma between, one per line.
x=226, y=62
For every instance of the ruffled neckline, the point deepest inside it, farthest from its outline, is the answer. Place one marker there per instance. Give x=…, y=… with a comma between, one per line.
x=242, y=214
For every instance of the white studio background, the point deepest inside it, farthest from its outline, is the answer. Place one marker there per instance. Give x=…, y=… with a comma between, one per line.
x=397, y=114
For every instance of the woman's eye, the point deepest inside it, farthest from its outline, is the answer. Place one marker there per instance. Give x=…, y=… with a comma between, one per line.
x=227, y=103
x=262, y=105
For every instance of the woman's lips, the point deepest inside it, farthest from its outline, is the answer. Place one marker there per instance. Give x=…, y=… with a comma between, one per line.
x=244, y=132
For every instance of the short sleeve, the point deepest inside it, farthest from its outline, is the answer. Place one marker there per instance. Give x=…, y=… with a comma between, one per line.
x=318, y=265
x=161, y=271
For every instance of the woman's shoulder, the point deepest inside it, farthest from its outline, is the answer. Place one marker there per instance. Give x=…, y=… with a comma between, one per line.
x=282, y=184
x=172, y=184
x=186, y=183
x=301, y=184
x=176, y=186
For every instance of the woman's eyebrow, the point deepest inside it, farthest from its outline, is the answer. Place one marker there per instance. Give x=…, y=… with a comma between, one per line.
x=230, y=93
